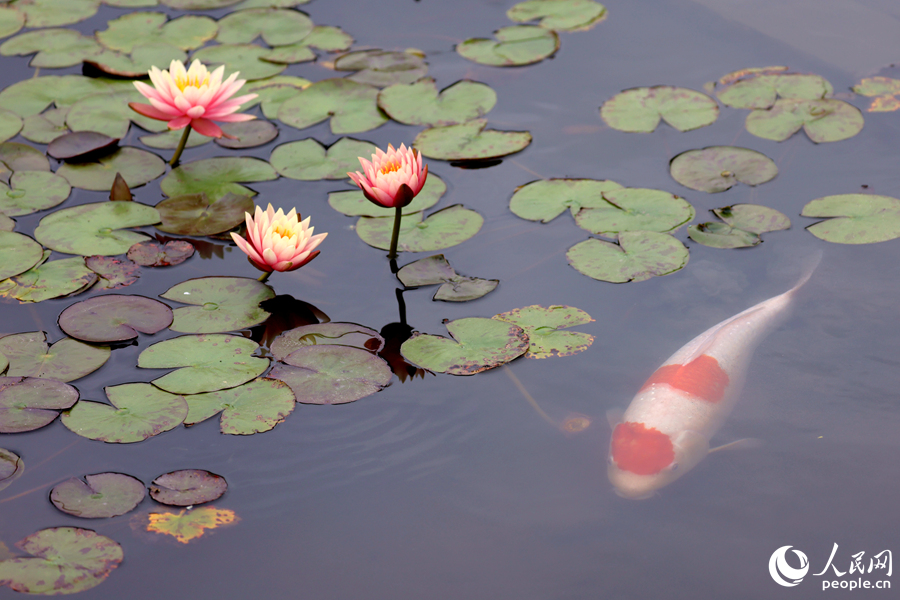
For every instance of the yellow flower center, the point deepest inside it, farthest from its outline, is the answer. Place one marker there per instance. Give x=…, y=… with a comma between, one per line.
x=282, y=230
x=391, y=167
x=189, y=81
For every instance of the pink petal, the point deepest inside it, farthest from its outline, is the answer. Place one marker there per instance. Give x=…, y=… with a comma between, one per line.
x=179, y=122
x=149, y=111
x=207, y=128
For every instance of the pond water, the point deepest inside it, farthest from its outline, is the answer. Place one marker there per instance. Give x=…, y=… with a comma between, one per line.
x=455, y=487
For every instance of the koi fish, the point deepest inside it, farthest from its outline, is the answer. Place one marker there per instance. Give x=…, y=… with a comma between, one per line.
x=666, y=429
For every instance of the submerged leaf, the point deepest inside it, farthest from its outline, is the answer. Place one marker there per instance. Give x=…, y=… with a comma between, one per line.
x=722, y=235
x=718, y=168
x=542, y=325
x=638, y=256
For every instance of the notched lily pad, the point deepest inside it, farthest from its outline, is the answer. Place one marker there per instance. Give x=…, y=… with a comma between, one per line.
x=52, y=48
x=443, y=229
x=220, y=304
x=98, y=496
x=114, y=318
x=217, y=177
x=381, y=68
x=66, y=360
x=49, y=280
x=722, y=235
x=825, y=120
x=248, y=134
x=638, y=256
x=22, y=157
x=32, y=191
x=308, y=160
x=743, y=224
x=188, y=487
x=634, y=209
x=546, y=199
x=354, y=204
x=543, y=327
x=559, y=15
x=95, y=229
x=883, y=90
x=854, y=218
x=351, y=106
x=188, y=525
x=140, y=28
x=435, y=270
x=325, y=334
x=718, y=168
x=196, y=214
x=332, y=374
x=515, y=46
x=20, y=253
x=254, y=407
x=276, y=26
x=29, y=403
x=155, y=254
x=640, y=109
x=420, y=103
x=244, y=58
x=11, y=467
x=470, y=141
x=758, y=88
x=136, y=166
x=114, y=272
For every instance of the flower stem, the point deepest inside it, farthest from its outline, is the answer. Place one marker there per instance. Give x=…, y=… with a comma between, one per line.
x=395, y=237
x=264, y=276
x=181, y=144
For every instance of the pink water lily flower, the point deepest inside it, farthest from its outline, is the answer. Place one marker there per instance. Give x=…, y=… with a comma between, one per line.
x=393, y=178
x=192, y=97
x=277, y=241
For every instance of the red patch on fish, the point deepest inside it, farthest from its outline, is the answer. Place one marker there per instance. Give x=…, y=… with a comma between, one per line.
x=640, y=449
x=702, y=378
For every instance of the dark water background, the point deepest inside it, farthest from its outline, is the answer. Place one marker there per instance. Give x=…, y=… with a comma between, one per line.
x=453, y=487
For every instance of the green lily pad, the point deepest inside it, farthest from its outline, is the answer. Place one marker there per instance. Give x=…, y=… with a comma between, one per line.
x=546, y=199
x=276, y=26
x=640, y=109
x=204, y=363
x=324, y=37
x=638, y=256
x=49, y=280
x=11, y=21
x=98, y=496
x=354, y=204
x=271, y=93
x=722, y=235
x=470, y=141
x=136, y=166
x=634, y=209
x=382, y=68
x=10, y=122
x=759, y=88
x=324, y=334
x=718, y=168
x=31, y=96
x=114, y=318
x=478, y=345
x=543, y=328
x=65, y=560
x=138, y=411
x=4, y=363
x=826, y=120
x=46, y=127
x=351, y=106
x=753, y=218
x=66, y=360
x=217, y=177
x=309, y=160
x=516, y=45
x=11, y=468
x=114, y=273
x=31, y=191
x=332, y=374
x=220, y=304
x=21, y=157
x=169, y=139
x=110, y=114
x=6, y=224
x=883, y=89
x=29, y=403
x=142, y=28
x=20, y=253
x=248, y=134
x=443, y=229
x=52, y=13
x=420, y=103
x=156, y=254
x=95, y=229
x=136, y=64
x=244, y=58
x=435, y=270
x=854, y=218
x=251, y=408
x=131, y=3
x=559, y=15
x=188, y=487
x=198, y=4
x=53, y=48
x=195, y=214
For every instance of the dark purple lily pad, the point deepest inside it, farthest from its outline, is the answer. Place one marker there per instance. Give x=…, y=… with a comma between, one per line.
x=11, y=467
x=188, y=487
x=323, y=334
x=248, y=134
x=435, y=270
x=154, y=254
x=114, y=318
x=66, y=360
x=81, y=144
x=114, y=272
x=332, y=374
x=29, y=403
x=197, y=214
x=98, y=496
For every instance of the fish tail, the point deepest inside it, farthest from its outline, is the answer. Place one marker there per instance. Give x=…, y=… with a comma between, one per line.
x=812, y=263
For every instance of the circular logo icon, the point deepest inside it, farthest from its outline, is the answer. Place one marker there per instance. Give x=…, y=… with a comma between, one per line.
x=783, y=573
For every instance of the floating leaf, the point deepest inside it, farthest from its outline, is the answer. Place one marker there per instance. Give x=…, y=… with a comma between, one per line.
x=516, y=45
x=638, y=256
x=21, y=157
x=826, y=120
x=221, y=304
x=442, y=229
x=351, y=106
x=854, y=218
x=95, y=229
x=187, y=487
x=31, y=191
x=4, y=363
x=381, y=68
x=634, y=209
x=332, y=374
x=759, y=88
x=189, y=525
x=136, y=166
x=49, y=280
x=138, y=63
x=19, y=252
x=308, y=160
x=66, y=360
x=195, y=214
x=217, y=177
x=354, y=204
x=171, y=138
x=559, y=15
x=11, y=21
x=276, y=26
x=251, y=408
x=114, y=318
x=6, y=224
x=470, y=141
x=198, y=4
x=754, y=218
x=885, y=91
x=65, y=560
x=110, y=114
x=248, y=134
x=139, y=411
x=46, y=127
x=114, y=273
x=98, y=496
x=141, y=28
x=542, y=325
x=76, y=145
x=722, y=235
x=324, y=334
x=52, y=13
x=718, y=168
x=10, y=122
x=244, y=58
x=435, y=270
x=478, y=345
x=640, y=109
x=54, y=48
x=11, y=467
x=546, y=199
x=324, y=37
x=31, y=96
x=155, y=254
x=420, y=104
x=29, y=403
x=271, y=93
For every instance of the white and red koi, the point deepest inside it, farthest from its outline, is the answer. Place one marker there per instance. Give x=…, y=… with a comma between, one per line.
x=666, y=429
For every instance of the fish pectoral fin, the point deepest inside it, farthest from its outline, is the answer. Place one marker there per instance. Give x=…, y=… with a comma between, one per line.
x=614, y=417
x=741, y=444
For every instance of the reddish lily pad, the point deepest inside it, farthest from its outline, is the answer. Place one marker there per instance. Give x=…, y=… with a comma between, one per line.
x=196, y=214
x=470, y=141
x=435, y=270
x=638, y=256
x=114, y=272
x=188, y=487
x=154, y=254
x=718, y=168
x=543, y=327
x=66, y=360
x=98, y=496
x=29, y=403
x=114, y=318
x=332, y=374
x=254, y=407
x=220, y=304
x=80, y=144
x=324, y=334
x=11, y=467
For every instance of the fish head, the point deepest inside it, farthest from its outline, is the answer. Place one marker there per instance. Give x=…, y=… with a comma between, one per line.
x=643, y=459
